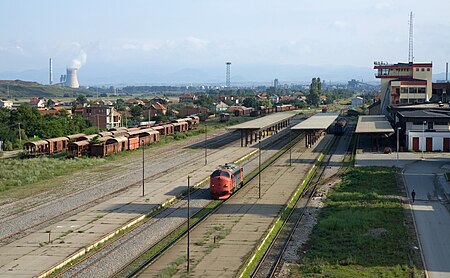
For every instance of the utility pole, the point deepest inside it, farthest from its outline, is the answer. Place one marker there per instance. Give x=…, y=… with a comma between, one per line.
x=143, y=172
x=259, y=170
x=20, y=135
x=206, y=144
x=290, y=147
x=188, y=224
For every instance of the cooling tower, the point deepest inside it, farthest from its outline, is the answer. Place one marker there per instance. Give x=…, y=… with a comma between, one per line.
x=72, y=79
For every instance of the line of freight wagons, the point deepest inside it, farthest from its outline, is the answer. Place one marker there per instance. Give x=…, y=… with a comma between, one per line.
x=109, y=142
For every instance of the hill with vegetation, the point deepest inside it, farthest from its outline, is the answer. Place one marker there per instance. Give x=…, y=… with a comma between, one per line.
x=14, y=89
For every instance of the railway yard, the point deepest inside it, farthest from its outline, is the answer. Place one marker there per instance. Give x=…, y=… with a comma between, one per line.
x=109, y=221
x=37, y=234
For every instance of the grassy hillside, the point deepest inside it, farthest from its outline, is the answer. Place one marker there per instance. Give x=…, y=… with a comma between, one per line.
x=24, y=89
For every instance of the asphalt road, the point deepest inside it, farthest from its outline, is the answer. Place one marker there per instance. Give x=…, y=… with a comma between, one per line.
x=431, y=207
x=431, y=215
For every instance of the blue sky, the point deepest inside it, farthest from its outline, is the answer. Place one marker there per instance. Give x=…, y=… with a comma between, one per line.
x=171, y=35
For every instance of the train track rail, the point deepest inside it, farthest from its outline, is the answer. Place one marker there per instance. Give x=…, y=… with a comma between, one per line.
x=216, y=146
x=115, y=244
x=137, y=270
x=271, y=262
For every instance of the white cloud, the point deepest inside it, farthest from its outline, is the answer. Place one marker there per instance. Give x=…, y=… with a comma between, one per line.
x=197, y=43
x=337, y=24
x=382, y=6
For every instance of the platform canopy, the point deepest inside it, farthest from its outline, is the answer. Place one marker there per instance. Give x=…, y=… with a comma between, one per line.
x=319, y=121
x=263, y=122
x=373, y=124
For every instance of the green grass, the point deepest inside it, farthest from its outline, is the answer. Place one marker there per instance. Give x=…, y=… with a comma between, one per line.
x=342, y=245
x=19, y=172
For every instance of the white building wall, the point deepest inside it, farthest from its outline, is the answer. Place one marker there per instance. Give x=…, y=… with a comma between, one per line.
x=438, y=139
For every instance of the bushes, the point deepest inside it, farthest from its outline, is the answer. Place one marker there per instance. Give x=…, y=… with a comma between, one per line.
x=19, y=172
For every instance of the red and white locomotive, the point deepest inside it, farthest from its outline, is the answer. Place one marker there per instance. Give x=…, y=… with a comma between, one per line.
x=226, y=180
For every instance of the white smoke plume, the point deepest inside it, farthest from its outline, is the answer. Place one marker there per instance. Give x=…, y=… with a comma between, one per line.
x=80, y=60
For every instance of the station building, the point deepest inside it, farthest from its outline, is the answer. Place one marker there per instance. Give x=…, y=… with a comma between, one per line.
x=404, y=83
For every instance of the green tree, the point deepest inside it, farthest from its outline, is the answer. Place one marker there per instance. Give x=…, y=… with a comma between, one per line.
x=136, y=113
x=250, y=102
x=314, y=92
x=50, y=103
x=81, y=99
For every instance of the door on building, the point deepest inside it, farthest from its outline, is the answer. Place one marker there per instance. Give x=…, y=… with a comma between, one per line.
x=429, y=147
x=416, y=144
x=446, y=144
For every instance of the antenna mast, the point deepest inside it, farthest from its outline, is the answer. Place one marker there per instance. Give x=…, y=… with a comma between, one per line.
x=411, y=37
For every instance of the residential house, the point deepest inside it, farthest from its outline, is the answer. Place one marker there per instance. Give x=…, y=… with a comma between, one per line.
x=6, y=104
x=357, y=101
x=100, y=116
x=220, y=107
x=274, y=99
x=38, y=102
x=187, y=97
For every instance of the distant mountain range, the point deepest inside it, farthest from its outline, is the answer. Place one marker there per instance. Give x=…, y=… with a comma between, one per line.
x=240, y=74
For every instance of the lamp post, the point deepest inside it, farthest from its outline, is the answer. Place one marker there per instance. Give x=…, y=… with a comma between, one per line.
x=290, y=147
x=259, y=170
x=398, y=142
x=188, y=225
x=423, y=136
x=143, y=173
x=206, y=144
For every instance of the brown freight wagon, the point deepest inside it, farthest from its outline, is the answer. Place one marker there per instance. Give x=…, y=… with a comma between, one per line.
x=77, y=149
x=133, y=139
x=74, y=137
x=180, y=126
x=148, y=136
x=57, y=145
x=99, y=149
x=196, y=121
x=40, y=147
x=168, y=129
x=87, y=137
x=105, y=133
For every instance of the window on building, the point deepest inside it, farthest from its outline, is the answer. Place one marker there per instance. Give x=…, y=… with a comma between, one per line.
x=421, y=90
x=441, y=123
x=423, y=69
x=417, y=69
x=430, y=125
x=428, y=69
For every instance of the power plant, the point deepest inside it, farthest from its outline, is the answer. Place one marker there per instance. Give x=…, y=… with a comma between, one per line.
x=72, y=78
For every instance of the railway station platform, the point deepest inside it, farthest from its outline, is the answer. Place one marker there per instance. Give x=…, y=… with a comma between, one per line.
x=259, y=128
x=377, y=127
x=315, y=126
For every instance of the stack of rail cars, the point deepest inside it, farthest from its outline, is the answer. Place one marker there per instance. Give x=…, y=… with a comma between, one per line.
x=279, y=108
x=340, y=126
x=109, y=142
x=243, y=111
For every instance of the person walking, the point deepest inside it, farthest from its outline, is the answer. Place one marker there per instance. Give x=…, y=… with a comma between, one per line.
x=413, y=195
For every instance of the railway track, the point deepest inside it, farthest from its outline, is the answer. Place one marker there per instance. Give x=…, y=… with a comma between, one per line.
x=271, y=262
x=216, y=146
x=117, y=247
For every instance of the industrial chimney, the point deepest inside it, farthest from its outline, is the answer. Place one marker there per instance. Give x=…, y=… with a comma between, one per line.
x=72, y=79
x=50, y=72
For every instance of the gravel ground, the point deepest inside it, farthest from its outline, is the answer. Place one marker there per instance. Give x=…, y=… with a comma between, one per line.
x=93, y=187
x=113, y=258
x=125, y=250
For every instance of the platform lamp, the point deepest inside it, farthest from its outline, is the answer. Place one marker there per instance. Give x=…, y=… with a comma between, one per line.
x=398, y=142
x=143, y=172
x=259, y=170
x=423, y=136
x=188, y=218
